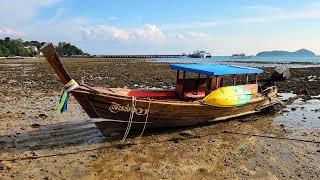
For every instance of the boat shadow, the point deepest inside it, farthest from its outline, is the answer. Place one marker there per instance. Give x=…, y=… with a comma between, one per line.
x=52, y=136
x=76, y=134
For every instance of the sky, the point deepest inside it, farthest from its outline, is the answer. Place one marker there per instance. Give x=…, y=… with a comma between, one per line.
x=166, y=26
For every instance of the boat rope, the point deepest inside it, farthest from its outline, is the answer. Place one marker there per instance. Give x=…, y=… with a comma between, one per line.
x=133, y=110
x=64, y=98
x=147, y=115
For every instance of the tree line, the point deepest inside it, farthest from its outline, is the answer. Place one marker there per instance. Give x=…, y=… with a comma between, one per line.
x=18, y=47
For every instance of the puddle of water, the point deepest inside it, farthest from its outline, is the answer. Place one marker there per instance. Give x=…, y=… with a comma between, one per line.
x=286, y=96
x=15, y=65
x=301, y=115
x=315, y=97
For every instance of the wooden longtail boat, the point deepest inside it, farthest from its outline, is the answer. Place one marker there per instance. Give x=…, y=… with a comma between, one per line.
x=119, y=108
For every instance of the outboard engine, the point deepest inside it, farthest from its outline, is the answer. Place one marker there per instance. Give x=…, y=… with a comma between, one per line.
x=280, y=73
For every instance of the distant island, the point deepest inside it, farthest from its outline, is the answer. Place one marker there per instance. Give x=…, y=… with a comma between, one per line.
x=301, y=52
x=17, y=47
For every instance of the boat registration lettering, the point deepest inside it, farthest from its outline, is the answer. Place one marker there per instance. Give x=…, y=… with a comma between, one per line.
x=115, y=108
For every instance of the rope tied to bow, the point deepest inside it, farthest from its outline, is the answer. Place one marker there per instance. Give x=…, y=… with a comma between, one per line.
x=64, y=98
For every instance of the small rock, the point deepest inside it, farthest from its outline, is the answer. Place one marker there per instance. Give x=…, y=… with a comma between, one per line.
x=318, y=150
x=317, y=110
x=281, y=125
x=305, y=92
x=94, y=155
x=42, y=115
x=293, y=109
x=35, y=125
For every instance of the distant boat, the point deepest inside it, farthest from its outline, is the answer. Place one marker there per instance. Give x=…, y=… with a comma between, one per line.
x=240, y=55
x=200, y=54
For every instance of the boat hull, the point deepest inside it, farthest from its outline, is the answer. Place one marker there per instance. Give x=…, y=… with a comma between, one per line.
x=112, y=113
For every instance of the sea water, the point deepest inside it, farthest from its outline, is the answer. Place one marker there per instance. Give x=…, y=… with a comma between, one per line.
x=271, y=59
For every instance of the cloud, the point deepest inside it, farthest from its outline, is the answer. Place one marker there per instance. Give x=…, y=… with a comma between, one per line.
x=269, y=15
x=5, y=32
x=149, y=32
x=17, y=11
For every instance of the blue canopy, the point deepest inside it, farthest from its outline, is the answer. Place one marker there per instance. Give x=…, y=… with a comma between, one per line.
x=215, y=70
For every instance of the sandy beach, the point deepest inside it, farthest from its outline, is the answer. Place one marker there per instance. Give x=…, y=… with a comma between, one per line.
x=36, y=142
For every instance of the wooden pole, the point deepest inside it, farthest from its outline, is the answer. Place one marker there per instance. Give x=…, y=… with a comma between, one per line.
x=197, y=83
x=183, y=78
x=178, y=74
x=209, y=84
x=217, y=82
x=50, y=54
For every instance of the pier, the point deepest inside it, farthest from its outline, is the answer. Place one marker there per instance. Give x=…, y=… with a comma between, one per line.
x=142, y=56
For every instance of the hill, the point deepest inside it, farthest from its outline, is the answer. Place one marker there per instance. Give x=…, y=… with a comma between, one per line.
x=301, y=52
x=18, y=47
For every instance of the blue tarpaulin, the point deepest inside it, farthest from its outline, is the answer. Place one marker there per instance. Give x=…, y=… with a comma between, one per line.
x=215, y=70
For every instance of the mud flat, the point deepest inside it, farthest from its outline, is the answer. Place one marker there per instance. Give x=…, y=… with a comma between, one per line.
x=36, y=142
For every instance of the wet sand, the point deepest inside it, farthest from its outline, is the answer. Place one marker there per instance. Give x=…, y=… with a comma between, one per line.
x=36, y=142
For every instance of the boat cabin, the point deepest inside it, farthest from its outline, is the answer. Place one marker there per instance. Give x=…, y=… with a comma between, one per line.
x=205, y=78
x=196, y=81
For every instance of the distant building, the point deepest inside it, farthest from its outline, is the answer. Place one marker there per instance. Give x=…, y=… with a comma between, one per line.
x=32, y=48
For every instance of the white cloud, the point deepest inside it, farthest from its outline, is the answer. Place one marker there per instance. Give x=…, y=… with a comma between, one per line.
x=5, y=32
x=150, y=32
x=147, y=33
x=16, y=11
x=266, y=15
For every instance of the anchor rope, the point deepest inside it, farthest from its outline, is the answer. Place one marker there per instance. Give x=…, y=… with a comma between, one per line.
x=133, y=110
x=147, y=115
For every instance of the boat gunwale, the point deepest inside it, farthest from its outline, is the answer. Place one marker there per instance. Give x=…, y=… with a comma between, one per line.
x=82, y=89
